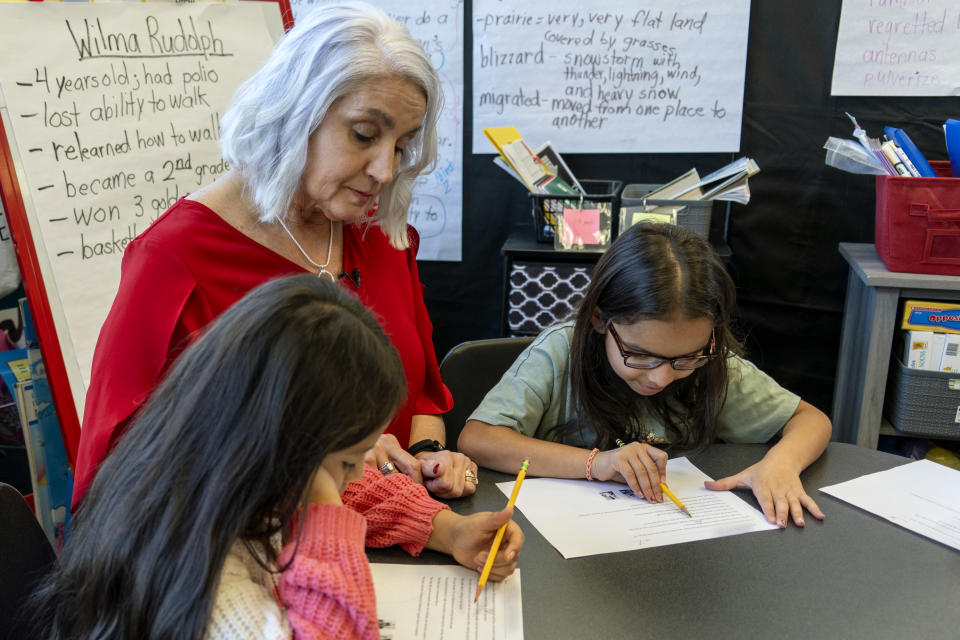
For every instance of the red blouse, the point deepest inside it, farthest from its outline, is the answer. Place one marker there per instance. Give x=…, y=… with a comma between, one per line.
x=190, y=266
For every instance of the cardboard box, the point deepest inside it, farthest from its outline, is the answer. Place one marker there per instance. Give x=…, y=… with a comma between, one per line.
x=926, y=315
x=923, y=350
x=950, y=359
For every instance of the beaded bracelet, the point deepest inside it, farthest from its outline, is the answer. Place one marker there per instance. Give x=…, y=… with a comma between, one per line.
x=590, y=458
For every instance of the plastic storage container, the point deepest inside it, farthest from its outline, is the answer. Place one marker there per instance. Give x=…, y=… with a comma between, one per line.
x=603, y=195
x=923, y=403
x=693, y=215
x=918, y=222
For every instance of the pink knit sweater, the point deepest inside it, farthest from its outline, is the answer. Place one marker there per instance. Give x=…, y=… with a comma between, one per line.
x=327, y=591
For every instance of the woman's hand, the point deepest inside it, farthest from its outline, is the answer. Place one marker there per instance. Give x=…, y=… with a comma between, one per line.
x=642, y=466
x=447, y=474
x=468, y=540
x=443, y=473
x=388, y=449
x=777, y=488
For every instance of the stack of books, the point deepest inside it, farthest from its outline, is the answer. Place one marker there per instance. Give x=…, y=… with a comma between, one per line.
x=931, y=335
x=730, y=183
x=542, y=171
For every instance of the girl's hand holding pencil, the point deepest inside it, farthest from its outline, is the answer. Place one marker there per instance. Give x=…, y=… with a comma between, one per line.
x=498, y=537
x=660, y=484
x=641, y=466
x=468, y=539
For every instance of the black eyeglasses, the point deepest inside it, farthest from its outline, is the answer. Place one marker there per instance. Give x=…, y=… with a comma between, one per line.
x=637, y=360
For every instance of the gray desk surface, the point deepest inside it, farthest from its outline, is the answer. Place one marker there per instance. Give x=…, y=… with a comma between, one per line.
x=852, y=576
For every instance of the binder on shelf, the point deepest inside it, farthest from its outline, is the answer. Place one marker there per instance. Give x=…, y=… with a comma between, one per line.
x=902, y=140
x=951, y=134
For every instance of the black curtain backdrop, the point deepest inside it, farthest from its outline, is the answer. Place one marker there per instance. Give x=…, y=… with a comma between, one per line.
x=790, y=277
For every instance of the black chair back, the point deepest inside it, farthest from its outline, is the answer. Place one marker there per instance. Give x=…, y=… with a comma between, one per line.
x=25, y=557
x=469, y=370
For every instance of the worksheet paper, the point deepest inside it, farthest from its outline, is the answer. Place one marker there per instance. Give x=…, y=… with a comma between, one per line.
x=581, y=518
x=433, y=602
x=921, y=496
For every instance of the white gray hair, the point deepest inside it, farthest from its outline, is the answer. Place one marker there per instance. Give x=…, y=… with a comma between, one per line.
x=327, y=55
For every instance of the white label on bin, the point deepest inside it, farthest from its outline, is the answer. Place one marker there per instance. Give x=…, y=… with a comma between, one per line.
x=953, y=384
x=957, y=419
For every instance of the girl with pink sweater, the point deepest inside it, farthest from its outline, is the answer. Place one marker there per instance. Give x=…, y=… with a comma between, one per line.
x=238, y=505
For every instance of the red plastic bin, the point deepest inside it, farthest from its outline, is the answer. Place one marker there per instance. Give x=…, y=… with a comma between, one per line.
x=918, y=222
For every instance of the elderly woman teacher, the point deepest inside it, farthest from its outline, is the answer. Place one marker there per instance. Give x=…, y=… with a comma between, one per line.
x=324, y=144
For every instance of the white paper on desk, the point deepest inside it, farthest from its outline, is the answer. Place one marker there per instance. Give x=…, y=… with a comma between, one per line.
x=420, y=601
x=581, y=518
x=921, y=496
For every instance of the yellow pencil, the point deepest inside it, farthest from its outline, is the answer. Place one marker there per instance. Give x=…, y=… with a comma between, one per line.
x=675, y=499
x=666, y=490
x=499, y=537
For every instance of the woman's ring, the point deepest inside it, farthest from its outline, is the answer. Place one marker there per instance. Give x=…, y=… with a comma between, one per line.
x=471, y=476
x=387, y=468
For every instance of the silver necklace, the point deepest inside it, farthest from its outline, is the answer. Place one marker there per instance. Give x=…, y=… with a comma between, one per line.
x=322, y=267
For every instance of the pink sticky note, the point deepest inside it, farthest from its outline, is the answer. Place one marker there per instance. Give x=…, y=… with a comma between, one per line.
x=581, y=226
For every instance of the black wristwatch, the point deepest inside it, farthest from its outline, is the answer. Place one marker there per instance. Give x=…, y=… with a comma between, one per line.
x=425, y=445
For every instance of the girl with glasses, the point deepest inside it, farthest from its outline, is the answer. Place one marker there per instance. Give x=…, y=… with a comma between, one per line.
x=649, y=360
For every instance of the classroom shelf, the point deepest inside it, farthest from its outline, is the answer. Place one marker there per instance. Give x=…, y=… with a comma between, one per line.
x=541, y=286
x=869, y=323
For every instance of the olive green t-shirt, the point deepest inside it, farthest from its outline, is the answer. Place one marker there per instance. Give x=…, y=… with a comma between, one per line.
x=534, y=395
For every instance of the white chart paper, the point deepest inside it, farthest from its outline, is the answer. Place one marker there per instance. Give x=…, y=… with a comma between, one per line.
x=581, y=518
x=898, y=48
x=426, y=602
x=437, y=204
x=921, y=496
x=115, y=113
x=613, y=77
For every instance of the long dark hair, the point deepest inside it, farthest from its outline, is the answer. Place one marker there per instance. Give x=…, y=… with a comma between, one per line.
x=653, y=271
x=224, y=450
